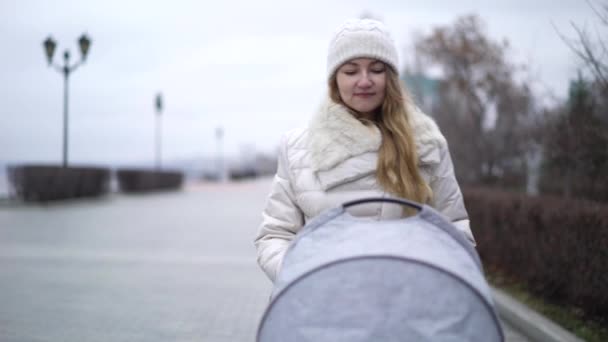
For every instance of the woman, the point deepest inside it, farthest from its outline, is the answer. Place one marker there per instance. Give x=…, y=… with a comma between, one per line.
x=367, y=139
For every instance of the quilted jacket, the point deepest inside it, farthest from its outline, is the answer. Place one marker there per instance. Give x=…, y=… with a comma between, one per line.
x=333, y=161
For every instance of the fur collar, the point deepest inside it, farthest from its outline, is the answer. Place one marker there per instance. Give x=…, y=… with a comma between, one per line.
x=336, y=135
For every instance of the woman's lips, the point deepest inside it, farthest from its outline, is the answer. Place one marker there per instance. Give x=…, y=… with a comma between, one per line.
x=365, y=94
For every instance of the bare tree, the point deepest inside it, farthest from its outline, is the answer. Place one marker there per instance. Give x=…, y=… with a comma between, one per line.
x=576, y=137
x=592, y=49
x=482, y=109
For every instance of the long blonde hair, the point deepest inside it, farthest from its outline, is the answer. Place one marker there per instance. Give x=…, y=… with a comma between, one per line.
x=397, y=169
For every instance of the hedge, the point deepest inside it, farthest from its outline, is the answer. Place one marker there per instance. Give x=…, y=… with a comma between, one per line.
x=557, y=247
x=42, y=183
x=139, y=180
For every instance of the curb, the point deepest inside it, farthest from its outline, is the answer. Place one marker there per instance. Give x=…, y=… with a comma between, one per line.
x=529, y=322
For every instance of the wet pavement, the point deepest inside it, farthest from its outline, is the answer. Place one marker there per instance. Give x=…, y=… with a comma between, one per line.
x=160, y=267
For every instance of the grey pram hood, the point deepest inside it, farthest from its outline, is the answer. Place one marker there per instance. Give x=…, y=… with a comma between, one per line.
x=347, y=278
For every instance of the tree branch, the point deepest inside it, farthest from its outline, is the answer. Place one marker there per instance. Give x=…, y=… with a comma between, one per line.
x=603, y=16
x=589, y=56
x=585, y=52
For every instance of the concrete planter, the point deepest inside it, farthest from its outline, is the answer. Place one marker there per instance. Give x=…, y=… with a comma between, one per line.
x=42, y=183
x=140, y=180
x=242, y=174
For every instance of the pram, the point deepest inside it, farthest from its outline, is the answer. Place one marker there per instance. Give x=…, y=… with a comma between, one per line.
x=347, y=278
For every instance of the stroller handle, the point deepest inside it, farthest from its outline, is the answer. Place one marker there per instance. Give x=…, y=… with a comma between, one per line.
x=401, y=201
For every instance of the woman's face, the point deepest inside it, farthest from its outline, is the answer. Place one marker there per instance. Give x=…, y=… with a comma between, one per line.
x=362, y=84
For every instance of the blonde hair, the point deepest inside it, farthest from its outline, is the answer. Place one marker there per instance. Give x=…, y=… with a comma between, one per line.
x=397, y=169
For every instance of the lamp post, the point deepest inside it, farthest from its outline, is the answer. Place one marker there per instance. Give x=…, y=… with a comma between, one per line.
x=159, y=109
x=49, y=47
x=219, y=134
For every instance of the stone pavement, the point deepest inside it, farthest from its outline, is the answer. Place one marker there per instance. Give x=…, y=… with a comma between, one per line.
x=160, y=267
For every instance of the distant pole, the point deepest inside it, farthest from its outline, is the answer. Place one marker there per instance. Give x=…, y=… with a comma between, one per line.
x=49, y=48
x=159, y=109
x=219, y=134
x=66, y=75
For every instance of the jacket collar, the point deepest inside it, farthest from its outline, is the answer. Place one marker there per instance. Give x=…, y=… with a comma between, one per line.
x=336, y=135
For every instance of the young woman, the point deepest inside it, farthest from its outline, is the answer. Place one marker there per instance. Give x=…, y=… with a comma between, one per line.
x=367, y=139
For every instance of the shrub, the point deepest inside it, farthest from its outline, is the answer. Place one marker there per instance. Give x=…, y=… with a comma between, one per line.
x=557, y=247
x=136, y=180
x=41, y=183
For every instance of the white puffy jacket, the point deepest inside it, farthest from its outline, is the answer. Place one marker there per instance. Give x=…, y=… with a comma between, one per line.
x=334, y=161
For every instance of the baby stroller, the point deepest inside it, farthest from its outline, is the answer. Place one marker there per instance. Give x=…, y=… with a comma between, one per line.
x=347, y=278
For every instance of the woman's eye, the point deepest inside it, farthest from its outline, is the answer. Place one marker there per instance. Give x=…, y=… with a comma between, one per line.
x=349, y=72
x=378, y=71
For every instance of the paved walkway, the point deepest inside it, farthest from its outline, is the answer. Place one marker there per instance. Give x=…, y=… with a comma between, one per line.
x=160, y=267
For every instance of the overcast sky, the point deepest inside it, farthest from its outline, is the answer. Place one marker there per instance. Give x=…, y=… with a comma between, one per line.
x=256, y=68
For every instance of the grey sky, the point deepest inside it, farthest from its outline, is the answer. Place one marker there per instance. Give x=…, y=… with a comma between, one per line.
x=257, y=68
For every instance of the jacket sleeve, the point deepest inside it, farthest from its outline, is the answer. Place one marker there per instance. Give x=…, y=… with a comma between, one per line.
x=447, y=196
x=281, y=219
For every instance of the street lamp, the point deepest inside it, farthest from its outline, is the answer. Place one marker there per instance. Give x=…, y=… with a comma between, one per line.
x=219, y=134
x=49, y=48
x=159, y=109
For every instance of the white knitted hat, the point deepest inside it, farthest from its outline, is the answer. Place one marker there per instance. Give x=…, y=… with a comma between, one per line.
x=358, y=38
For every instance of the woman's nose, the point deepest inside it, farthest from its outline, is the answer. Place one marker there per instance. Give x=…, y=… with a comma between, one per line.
x=365, y=81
